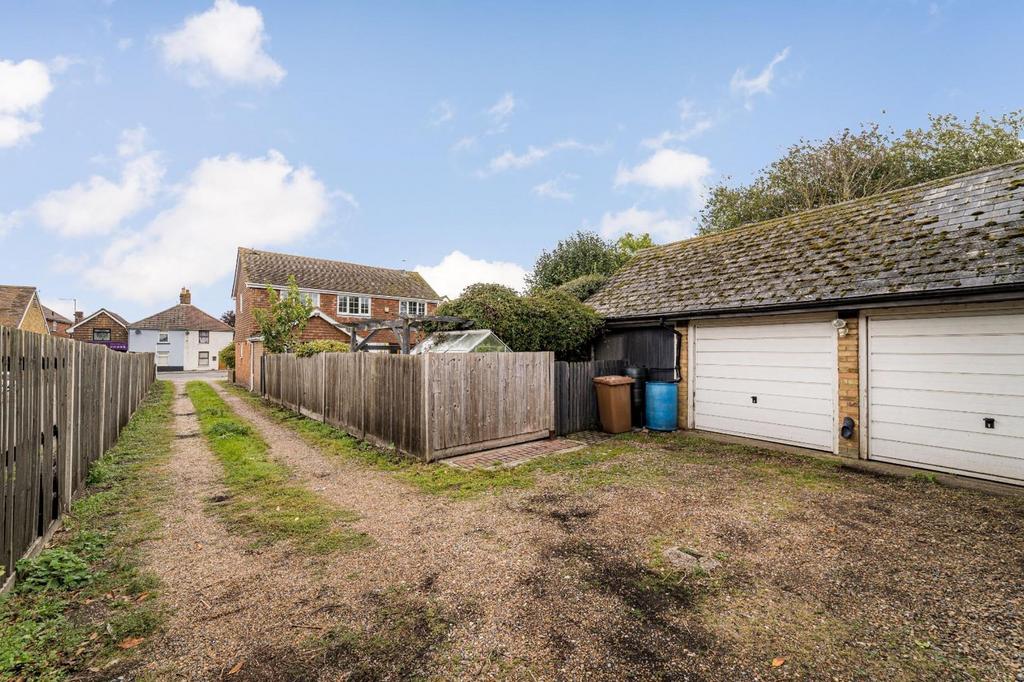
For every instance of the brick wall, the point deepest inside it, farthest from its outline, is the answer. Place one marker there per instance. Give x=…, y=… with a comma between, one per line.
x=319, y=329
x=380, y=309
x=849, y=387
x=101, y=321
x=684, y=374
x=34, y=321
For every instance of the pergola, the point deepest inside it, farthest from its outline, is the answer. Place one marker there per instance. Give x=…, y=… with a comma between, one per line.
x=402, y=327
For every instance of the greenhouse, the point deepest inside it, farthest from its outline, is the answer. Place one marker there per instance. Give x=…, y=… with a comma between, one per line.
x=466, y=341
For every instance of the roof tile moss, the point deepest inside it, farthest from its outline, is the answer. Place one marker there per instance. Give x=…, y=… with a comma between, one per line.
x=905, y=241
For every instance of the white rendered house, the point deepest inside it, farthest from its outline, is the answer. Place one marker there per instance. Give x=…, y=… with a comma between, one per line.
x=182, y=337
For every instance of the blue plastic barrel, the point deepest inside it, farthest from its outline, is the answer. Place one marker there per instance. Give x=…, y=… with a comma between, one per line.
x=662, y=405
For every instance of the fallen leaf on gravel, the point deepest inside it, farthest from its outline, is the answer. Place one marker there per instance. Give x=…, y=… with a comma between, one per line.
x=776, y=662
x=130, y=642
x=94, y=636
x=142, y=597
x=236, y=667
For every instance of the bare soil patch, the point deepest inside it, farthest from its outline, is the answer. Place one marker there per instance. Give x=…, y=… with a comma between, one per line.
x=831, y=574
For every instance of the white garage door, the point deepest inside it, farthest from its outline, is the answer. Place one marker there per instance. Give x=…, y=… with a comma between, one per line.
x=773, y=382
x=947, y=393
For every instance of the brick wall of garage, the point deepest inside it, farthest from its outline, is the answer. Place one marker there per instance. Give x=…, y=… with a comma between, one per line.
x=849, y=386
x=684, y=374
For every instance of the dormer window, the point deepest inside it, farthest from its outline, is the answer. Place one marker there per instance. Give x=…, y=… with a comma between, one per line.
x=354, y=305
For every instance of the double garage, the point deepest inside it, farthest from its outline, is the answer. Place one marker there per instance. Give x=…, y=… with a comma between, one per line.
x=936, y=388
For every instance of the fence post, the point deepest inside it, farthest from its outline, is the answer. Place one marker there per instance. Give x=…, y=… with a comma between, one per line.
x=323, y=387
x=428, y=446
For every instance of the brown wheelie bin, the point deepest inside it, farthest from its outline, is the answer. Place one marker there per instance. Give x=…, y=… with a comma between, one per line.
x=613, y=403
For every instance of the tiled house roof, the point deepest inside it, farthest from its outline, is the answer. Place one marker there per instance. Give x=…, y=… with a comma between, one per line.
x=13, y=302
x=114, y=316
x=957, y=234
x=183, y=316
x=53, y=316
x=267, y=267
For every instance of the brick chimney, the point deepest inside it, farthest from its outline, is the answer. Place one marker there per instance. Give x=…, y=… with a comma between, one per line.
x=78, y=316
x=185, y=296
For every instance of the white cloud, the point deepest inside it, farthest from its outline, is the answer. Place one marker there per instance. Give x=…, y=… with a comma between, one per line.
x=456, y=271
x=226, y=202
x=638, y=221
x=24, y=86
x=464, y=143
x=553, y=189
x=124, y=44
x=692, y=123
x=99, y=205
x=512, y=161
x=668, y=169
x=501, y=111
x=761, y=84
x=226, y=42
x=443, y=112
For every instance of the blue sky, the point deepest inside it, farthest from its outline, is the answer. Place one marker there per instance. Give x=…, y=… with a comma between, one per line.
x=142, y=142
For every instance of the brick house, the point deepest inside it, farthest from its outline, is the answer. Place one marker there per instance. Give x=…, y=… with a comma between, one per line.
x=20, y=309
x=340, y=292
x=57, y=323
x=103, y=327
x=899, y=316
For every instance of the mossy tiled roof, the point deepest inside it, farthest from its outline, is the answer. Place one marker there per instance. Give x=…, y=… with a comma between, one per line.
x=268, y=267
x=955, y=234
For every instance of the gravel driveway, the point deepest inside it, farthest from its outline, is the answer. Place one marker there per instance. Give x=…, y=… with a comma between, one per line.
x=821, y=573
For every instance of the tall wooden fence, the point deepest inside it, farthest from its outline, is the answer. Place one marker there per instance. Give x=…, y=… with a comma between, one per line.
x=428, y=406
x=62, y=404
x=575, y=397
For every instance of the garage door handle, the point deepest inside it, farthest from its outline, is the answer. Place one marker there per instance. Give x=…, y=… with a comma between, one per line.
x=990, y=423
x=753, y=399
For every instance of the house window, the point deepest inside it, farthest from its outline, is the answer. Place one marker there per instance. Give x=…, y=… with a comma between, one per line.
x=162, y=338
x=162, y=356
x=204, y=336
x=412, y=308
x=204, y=358
x=101, y=334
x=353, y=305
x=311, y=297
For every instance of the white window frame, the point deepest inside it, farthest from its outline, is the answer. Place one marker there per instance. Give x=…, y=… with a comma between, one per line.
x=311, y=296
x=361, y=302
x=164, y=355
x=403, y=308
x=201, y=332
x=201, y=354
x=163, y=337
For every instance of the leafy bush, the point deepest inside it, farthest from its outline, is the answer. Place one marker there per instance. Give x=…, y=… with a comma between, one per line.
x=55, y=568
x=227, y=354
x=310, y=348
x=550, y=320
x=583, y=287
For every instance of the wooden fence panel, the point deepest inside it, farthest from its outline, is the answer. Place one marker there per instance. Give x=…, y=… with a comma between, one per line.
x=575, y=397
x=428, y=406
x=62, y=403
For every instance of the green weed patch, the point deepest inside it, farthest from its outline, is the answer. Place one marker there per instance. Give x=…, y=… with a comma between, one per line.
x=77, y=601
x=263, y=502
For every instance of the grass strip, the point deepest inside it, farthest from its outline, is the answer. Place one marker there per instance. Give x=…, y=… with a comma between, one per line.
x=83, y=606
x=263, y=502
x=435, y=478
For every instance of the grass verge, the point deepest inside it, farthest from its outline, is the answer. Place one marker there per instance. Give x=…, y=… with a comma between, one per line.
x=439, y=479
x=262, y=502
x=83, y=606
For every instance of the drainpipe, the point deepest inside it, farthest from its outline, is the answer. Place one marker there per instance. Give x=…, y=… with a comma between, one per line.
x=681, y=340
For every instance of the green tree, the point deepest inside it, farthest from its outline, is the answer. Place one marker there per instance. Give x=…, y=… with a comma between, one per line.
x=549, y=320
x=282, y=322
x=855, y=164
x=628, y=244
x=227, y=354
x=584, y=253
